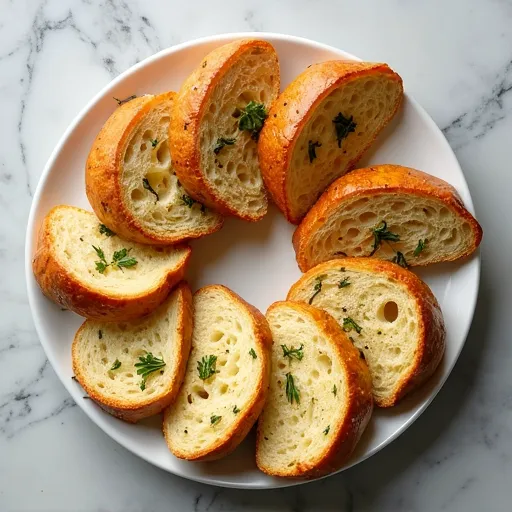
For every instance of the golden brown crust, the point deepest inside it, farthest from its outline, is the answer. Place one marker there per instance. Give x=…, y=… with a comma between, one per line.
x=149, y=406
x=292, y=110
x=359, y=400
x=432, y=331
x=103, y=173
x=61, y=286
x=187, y=117
x=375, y=180
x=247, y=418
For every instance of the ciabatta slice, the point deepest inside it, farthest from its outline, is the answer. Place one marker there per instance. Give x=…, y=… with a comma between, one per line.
x=226, y=381
x=215, y=124
x=108, y=356
x=424, y=215
x=130, y=179
x=320, y=126
x=320, y=398
x=130, y=280
x=388, y=312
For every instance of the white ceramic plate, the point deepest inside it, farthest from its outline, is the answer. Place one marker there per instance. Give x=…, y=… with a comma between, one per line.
x=255, y=260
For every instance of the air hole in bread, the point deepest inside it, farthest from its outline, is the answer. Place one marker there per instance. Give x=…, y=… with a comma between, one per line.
x=294, y=420
x=233, y=370
x=315, y=374
x=128, y=154
x=157, y=216
x=143, y=147
x=223, y=389
x=201, y=393
x=367, y=217
x=213, y=108
x=101, y=385
x=129, y=375
x=324, y=361
x=352, y=233
x=163, y=155
x=147, y=135
x=189, y=398
x=253, y=203
x=137, y=195
x=390, y=311
x=398, y=206
x=444, y=212
x=104, y=360
x=164, y=120
x=281, y=365
x=216, y=336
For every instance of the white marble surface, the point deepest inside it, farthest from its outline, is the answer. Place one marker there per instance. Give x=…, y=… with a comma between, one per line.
x=455, y=57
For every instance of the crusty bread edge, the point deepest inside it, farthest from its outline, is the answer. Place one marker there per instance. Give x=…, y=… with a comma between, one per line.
x=293, y=109
x=103, y=175
x=366, y=182
x=186, y=119
x=65, y=289
x=358, y=410
x=151, y=405
x=432, y=332
x=246, y=418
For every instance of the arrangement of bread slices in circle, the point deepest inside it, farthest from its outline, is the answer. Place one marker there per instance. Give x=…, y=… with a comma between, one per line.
x=358, y=330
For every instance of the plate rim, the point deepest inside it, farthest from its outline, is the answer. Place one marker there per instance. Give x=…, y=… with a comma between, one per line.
x=31, y=234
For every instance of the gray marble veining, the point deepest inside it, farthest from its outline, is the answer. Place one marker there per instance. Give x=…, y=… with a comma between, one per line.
x=455, y=58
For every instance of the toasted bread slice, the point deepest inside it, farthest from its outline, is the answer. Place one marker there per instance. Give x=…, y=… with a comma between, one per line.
x=425, y=216
x=216, y=121
x=320, y=126
x=107, y=358
x=313, y=431
x=227, y=377
x=68, y=268
x=130, y=180
x=389, y=313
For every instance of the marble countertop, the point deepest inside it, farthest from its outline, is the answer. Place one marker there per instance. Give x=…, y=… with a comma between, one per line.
x=455, y=58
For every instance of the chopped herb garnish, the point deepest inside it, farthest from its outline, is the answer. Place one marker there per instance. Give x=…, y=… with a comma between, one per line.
x=100, y=334
x=101, y=265
x=343, y=127
x=296, y=353
x=148, y=365
x=312, y=150
x=292, y=393
x=116, y=365
x=344, y=283
x=215, y=419
x=380, y=232
x=126, y=100
x=154, y=142
x=105, y=231
x=190, y=202
x=147, y=186
x=81, y=239
x=334, y=390
x=253, y=354
x=204, y=64
x=420, y=247
x=119, y=260
x=349, y=324
x=399, y=259
x=221, y=142
x=207, y=367
x=316, y=289
x=236, y=410
x=326, y=431
x=252, y=118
